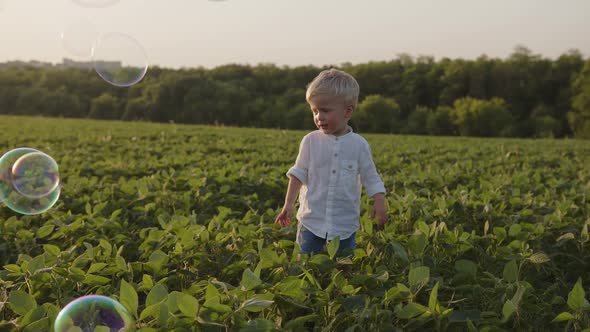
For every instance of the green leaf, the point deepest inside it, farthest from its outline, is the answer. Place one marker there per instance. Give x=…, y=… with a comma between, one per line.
x=106, y=246
x=51, y=249
x=514, y=230
x=466, y=267
x=214, y=304
x=249, y=280
x=94, y=280
x=45, y=231
x=34, y=315
x=411, y=310
x=157, y=260
x=400, y=251
x=150, y=311
x=518, y=295
x=333, y=246
x=564, y=316
x=120, y=263
x=500, y=233
x=36, y=264
x=539, y=258
x=13, y=268
x=156, y=295
x=584, y=236
x=510, y=273
x=163, y=314
x=418, y=277
x=147, y=281
x=224, y=189
x=256, y=304
x=40, y=325
x=269, y=258
x=96, y=267
x=565, y=237
x=417, y=243
x=188, y=305
x=433, y=301
x=354, y=302
x=576, y=297
x=299, y=322
x=128, y=297
x=507, y=310
x=21, y=302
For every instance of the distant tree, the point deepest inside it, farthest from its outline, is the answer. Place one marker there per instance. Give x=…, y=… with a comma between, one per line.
x=137, y=109
x=416, y=122
x=440, y=122
x=105, y=106
x=30, y=101
x=546, y=126
x=379, y=114
x=543, y=97
x=579, y=117
x=61, y=103
x=455, y=82
x=476, y=117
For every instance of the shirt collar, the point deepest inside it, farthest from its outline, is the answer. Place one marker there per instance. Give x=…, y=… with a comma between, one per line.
x=350, y=131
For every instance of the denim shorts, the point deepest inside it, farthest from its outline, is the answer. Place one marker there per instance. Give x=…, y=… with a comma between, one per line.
x=310, y=243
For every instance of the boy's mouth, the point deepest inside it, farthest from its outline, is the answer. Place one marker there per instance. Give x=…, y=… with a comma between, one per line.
x=323, y=126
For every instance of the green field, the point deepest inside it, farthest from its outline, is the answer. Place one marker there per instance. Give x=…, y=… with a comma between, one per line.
x=176, y=222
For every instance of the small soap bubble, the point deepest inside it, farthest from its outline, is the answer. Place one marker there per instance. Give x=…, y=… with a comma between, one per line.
x=119, y=59
x=35, y=175
x=92, y=313
x=29, y=181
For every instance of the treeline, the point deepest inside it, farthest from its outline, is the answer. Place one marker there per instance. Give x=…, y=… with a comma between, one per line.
x=524, y=95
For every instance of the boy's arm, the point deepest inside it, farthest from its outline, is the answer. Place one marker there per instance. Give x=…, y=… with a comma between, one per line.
x=292, y=191
x=299, y=170
x=297, y=177
x=379, y=209
x=374, y=185
x=284, y=218
x=369, y=176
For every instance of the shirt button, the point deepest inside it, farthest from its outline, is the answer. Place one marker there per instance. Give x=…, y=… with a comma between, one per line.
x=335, y=155
x=333, y=171
x=336, y=138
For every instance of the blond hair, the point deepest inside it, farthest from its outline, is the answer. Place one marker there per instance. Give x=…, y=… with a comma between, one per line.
x=334, y=82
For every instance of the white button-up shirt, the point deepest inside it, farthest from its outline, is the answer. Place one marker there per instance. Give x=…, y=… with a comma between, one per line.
x=333, y=170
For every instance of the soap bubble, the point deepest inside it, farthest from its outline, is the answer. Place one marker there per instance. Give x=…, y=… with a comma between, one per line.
x=119, y=59
x=35, y=175
x=93, y=313
x=29, y=181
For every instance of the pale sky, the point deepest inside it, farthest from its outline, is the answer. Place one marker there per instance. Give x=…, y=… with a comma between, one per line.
x=191, y=33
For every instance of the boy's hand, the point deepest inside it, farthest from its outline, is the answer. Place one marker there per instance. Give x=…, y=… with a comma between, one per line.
x=284, y=218
x=379, y=210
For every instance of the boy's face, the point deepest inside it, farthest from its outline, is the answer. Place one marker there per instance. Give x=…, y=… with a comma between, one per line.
x=330, y=114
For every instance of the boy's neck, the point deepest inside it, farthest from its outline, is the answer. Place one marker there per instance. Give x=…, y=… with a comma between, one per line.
x=344, y=132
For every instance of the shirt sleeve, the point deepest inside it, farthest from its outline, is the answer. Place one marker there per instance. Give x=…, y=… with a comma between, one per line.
x=369, y=176
x=299, y=170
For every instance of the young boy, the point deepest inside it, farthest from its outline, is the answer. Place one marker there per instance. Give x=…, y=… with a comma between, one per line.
x=332, y=164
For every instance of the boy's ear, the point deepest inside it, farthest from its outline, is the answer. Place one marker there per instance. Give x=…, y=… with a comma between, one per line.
x=348, y=111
